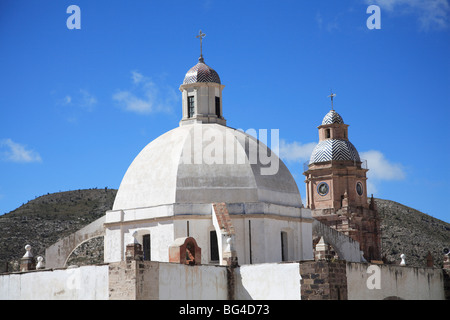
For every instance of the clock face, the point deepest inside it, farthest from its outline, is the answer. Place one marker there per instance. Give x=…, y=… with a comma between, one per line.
x=359, y=188
x=323, y=188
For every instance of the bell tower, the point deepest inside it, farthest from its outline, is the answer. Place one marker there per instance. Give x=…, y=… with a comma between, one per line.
x=336, y=186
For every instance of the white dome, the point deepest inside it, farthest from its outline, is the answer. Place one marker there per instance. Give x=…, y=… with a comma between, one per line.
x=171, y=169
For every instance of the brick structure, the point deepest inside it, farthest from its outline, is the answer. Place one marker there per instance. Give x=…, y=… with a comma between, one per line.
x=336, y=187
x=225, y=230
x=133, y=280
x=185, y=251
x=134, y=252
x=223, y=218
x=323, y=280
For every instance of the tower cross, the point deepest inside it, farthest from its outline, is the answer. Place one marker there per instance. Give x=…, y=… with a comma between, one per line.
x=332, y=95
x=201, y=35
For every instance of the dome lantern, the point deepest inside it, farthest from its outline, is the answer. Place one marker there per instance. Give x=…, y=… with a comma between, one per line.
x=202, y=93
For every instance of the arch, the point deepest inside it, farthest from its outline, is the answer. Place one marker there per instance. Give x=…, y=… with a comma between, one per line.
x=185, y=251
x=79, y=245
x=57, y=255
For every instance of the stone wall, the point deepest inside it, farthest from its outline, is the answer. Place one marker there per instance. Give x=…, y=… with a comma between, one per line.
x=135, y=280
x=151, y=280
x=323, y=280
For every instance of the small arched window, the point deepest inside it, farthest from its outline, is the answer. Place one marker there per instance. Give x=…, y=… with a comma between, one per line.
x=327, y=134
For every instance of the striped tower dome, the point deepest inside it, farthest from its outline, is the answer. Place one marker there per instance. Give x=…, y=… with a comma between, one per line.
x=336, y=147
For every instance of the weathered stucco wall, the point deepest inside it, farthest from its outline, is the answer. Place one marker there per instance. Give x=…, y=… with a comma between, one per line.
x=83, y=283
x=268, y=281
x=390, y=281
x=177, y=281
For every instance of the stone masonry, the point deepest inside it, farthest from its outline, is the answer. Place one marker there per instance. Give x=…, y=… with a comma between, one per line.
x=323, y=280
x=133, y=280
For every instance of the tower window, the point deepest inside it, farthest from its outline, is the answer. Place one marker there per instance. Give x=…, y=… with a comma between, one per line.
x=327, y=133
x=214, y=247
x=191, y=105
x=218, y=107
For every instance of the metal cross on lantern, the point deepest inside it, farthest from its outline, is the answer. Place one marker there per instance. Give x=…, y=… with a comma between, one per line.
x=332, y=95
x=201, y=35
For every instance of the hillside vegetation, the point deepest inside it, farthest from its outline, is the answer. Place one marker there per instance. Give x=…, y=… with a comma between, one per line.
x=411, y=232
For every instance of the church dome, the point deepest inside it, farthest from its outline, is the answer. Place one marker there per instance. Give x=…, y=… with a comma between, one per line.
x=171, y=170
x=332, y=117
x=201, y=72
x=334, y=150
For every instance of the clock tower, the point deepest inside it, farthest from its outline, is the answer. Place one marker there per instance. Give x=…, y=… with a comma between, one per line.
x=336, y=186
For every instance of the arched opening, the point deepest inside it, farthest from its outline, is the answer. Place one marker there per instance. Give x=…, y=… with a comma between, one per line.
x=88, y=252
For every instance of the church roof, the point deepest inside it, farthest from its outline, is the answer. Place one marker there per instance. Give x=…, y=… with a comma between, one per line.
x=332, y=117
x=171, y=169
x=201, y=72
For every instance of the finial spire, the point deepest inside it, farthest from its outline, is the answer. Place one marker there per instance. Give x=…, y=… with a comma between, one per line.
x=332, y=95
x=201, y=35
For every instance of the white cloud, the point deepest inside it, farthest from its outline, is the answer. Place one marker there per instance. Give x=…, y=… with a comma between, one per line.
x=136, y=76
x=380, y=168
x=15, y=152
x=83, y=99
x=430, y=13
x=67, y=100
x=87, y=100
x=146, y=97
x=295, y=151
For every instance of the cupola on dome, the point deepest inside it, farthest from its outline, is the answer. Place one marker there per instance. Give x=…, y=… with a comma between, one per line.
x=334, y=150
x=201, y=72
x=332, y=117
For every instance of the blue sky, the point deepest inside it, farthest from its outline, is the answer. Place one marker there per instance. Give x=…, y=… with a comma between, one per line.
x=77, y=105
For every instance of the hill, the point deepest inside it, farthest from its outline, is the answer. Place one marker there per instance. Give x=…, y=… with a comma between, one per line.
x=44, y=220
x=409, y=231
